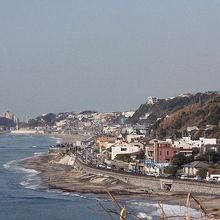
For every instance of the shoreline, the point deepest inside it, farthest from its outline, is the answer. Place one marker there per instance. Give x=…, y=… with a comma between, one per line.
x=65, y=138
x=67, y=179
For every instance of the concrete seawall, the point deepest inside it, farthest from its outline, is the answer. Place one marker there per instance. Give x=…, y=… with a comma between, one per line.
x=152, y=183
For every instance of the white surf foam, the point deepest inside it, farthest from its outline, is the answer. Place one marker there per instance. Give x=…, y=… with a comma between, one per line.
x=142, y=215
x=9, y=164
x=170, y=210
x=57, y=139
x=30, y=180
x=72, y=194
x=39, y=153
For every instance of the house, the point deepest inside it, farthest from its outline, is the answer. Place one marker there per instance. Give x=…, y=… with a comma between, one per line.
x=109, y=130
x=133, y=137
x=105, y=142
x=141, y=129
x=127, y=130
x=128, y=114
x=186, y=143
x=124, y=148
x=161, y=151
x=152, y=100
x=186, y=152
x=192, y=168
x=208, y=141
x=192, y=129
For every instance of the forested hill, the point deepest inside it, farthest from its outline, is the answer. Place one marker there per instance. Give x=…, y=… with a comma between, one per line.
x=172, y=116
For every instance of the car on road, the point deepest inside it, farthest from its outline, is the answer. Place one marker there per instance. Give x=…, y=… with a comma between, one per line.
x=183, y=177
x=101, y=165
x=114, y=167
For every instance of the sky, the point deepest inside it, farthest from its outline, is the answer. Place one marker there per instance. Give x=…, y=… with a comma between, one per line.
x=73, y=55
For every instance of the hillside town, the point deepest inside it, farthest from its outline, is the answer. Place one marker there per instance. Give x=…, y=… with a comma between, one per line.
x=112, y=141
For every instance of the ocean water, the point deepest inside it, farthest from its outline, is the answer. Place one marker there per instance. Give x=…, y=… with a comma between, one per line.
x=23, y=198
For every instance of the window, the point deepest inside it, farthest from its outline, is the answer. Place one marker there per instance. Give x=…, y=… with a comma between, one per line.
x=123, y=149
x=167, y=153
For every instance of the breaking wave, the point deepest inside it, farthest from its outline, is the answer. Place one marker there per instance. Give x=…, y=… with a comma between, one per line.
x=57, y=140
x=30, y=180
x=154, y=209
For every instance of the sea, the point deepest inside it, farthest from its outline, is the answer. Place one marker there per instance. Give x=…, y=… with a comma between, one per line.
x=22, y=196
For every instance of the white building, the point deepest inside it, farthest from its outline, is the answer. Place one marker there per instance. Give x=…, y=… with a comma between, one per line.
x=61, y=123
x=124, y=148
x=188, y=143
x=152, y=100
x=185, y=143
x=111, y=129
x=127, y=129
x=128, y=114
x=10, y=116
x=209, y=141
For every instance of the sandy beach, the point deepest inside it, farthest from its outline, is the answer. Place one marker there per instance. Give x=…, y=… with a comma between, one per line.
x=67, y=138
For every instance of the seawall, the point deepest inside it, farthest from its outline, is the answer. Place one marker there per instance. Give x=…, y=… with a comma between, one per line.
x=154, y=184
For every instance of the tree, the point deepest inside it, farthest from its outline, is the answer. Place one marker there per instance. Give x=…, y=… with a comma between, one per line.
x=123, y=157
x=209, y=156
x=202, y=172
x=180, y=159
x=141, y=155
x=212, y=156
x=170, y=170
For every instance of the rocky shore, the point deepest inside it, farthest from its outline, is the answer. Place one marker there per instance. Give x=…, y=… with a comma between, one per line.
x=56, y=175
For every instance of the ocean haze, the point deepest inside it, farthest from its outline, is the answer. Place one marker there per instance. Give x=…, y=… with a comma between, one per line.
x=104, y=55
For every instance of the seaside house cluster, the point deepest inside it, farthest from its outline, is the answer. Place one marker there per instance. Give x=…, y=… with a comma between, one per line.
x=137, y=153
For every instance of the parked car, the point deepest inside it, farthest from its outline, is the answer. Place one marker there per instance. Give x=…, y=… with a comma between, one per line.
x=183, y=177
x=101, y=165
x=198, y=178
x=157, y=175
x=213, y=180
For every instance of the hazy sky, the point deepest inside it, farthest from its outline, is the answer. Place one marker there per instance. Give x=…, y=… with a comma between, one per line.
x=106, y=55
